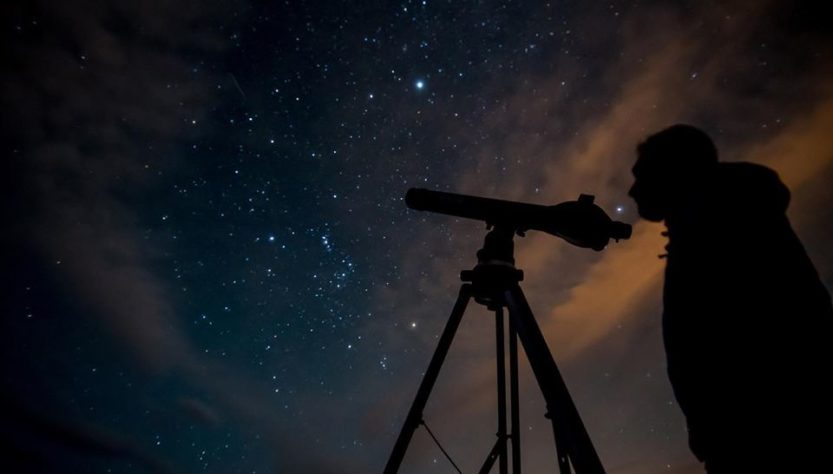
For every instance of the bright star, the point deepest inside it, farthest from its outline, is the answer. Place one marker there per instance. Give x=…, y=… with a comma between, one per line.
x=420, y=84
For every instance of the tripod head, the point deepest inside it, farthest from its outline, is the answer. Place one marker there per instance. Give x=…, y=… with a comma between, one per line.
x=580, y=222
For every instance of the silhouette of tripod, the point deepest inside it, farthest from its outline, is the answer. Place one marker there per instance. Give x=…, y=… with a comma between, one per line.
x=494, y=282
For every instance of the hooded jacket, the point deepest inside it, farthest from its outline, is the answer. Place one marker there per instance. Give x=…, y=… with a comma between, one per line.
x=746, y=321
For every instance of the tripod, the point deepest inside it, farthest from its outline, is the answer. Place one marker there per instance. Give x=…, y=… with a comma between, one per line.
x=494, y=282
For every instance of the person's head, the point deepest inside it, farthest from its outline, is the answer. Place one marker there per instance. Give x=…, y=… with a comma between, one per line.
x=669, y=164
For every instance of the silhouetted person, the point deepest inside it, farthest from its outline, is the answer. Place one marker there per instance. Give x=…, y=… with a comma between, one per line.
x=746, y=319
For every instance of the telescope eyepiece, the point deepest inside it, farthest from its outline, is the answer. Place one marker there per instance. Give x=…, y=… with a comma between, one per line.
x=620, y=231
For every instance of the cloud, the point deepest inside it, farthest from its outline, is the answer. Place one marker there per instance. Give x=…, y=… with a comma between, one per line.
x=97, y=93
x=32, y=437
x=98, y=100
x=804, y=148
x=100, y=96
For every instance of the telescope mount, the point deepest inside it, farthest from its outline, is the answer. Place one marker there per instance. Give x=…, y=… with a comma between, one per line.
x=494, y=283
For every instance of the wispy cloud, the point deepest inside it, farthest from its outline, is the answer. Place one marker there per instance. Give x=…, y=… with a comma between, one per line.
x=97, y=95
x=100, y=95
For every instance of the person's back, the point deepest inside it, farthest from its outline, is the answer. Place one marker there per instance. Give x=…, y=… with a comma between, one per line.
x=745, y=315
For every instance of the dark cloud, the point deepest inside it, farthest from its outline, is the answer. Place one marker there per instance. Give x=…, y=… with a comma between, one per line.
x=100, y=97
x=200, y=411
x=83, y=84
x=32, y=436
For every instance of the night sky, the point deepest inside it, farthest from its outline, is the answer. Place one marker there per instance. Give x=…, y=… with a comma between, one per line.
x=208, y=264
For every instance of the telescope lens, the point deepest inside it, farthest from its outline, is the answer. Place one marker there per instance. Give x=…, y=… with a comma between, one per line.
x=415, y=199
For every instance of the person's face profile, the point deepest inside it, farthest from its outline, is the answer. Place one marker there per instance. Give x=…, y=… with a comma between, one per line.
x=648, y=189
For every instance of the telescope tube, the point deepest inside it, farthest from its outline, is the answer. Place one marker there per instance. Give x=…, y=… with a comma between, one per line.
x=579, y=222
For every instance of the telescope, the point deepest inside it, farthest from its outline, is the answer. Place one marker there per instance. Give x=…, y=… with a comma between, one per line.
x=494, y=283
x=580, y=222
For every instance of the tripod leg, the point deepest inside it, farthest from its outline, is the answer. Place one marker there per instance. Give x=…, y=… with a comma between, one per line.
x=414, y=418
x=491, y=458
x=501, y=390
x=513, y=393
x=572, y=439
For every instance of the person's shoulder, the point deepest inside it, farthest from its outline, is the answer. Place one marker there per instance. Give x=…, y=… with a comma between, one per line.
x=752, y=182
x=746, y=169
